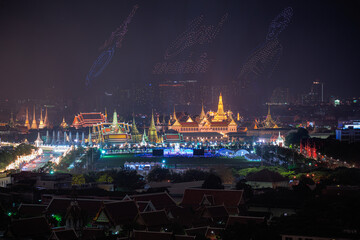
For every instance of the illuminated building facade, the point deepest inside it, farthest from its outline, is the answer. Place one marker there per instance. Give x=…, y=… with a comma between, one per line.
x=268, y=123
x=83, y=120
x=220, y=121
x=114, y=133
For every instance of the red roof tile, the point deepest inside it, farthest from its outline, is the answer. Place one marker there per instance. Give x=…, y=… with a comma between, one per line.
x=189, y=124
x=120, y=212
x=31, y=210
x=215, y=212
x=154, y=219
x=60, y=206
x=159, y=200
x=228, y=198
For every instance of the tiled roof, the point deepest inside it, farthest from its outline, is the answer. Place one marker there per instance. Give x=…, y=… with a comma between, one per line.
x=60, y=206
x=121, y=212
x=183, y=215
x=216, y=211
x=92, y=116
x=31, y=210
x=154, y=219
x=145, y=206
x=159, y=200
x=228, y=198
x=219, y=124
x=189, y=124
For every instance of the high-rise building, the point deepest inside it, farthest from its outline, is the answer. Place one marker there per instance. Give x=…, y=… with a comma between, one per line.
x=280, y=96
x=316, y=94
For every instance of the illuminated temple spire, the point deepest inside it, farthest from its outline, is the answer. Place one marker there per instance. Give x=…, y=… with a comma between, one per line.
x=174, y=115
x=41, y=123
x=220, y=114
x=46, y=119
x=115, y=120
x=152, y=130
x=220, y=110
x=269, y=122
x=27, y=123
x=157, y=120
x=202, y=114
x=135, y=135
x=33, y=124
x=63, y=124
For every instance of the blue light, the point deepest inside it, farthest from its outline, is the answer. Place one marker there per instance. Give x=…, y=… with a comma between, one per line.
x=163, y=161
x=103, y=151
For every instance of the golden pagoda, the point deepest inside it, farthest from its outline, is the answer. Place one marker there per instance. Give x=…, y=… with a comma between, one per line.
x=27, y=123
x=269, y=122
x=135, y=134
x=202, y=114
x=174, y=115
x=152, y=130
x=63, y=124
x=46, y=119
x=157, y=120
x=115, y=125
x=34, y=124
x=220, y=114
x=41, y=123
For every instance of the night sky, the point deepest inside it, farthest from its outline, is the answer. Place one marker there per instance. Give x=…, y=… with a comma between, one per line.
x=54, y=43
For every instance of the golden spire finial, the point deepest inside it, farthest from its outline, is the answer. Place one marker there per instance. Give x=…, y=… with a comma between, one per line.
x=34, y=124
x=175, y=118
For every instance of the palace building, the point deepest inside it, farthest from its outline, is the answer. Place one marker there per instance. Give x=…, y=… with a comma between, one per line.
x=83, y=120
x=220, y=122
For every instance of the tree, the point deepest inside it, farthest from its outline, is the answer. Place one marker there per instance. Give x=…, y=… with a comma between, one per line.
x=105, y=178
x=294, y=138
x=226, y=174
x=213, y=181
x=78, y=179
x=158, y=175
x=128, y=180
x=241, y=185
